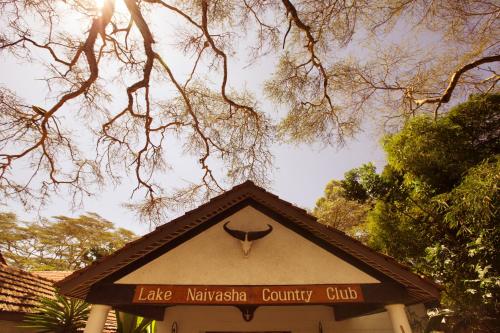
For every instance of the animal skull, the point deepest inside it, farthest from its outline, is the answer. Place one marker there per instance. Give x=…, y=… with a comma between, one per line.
x=247, y=237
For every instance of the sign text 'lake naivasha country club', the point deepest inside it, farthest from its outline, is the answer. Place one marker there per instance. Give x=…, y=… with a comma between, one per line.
x=297, y=294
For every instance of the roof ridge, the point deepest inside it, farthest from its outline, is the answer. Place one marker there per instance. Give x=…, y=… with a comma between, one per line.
x=4, y=267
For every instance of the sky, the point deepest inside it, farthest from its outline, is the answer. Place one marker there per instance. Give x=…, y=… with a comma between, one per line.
x=299, y=173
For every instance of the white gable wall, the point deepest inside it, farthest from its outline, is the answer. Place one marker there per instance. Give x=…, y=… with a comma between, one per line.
x=283, y=257
x=213, y=257
x=297, y=319
x=192, y=319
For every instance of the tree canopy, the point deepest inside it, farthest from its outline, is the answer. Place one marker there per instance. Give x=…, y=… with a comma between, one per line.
x=109, y=65
x=345, y=204
x=63, y=243
x=436, y=203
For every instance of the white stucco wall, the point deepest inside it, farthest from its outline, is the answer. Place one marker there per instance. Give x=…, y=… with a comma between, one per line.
x=376, y=323
x=297, y=319
x=215, y=258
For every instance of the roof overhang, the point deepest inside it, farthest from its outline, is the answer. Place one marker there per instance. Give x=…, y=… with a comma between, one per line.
x=90, y=283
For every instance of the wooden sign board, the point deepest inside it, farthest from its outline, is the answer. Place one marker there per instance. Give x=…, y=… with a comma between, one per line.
x=226, y=295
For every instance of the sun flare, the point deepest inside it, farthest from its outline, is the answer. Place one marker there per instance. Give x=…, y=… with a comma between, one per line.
x=99, y=4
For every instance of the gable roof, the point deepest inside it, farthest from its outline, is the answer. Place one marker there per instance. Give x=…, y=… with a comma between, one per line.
x=186, y=226
x=20, y=292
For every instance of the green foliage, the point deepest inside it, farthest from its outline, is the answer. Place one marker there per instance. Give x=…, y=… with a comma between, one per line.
x=335, y=210
x=64, y=243
x=468, y=263
x=440, y=152
x=363, y=184
x=345, y=203
x=58, y=315
x=440, y=211
x=130, y=323
x=391, y=229
x=479, y=120
x=435, y=207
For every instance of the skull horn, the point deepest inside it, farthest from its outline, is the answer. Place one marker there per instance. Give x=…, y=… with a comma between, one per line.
x=247, y=235
x=254, y=235
x=238, y=234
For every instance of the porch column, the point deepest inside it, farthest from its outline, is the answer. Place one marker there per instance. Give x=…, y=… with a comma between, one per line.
x=97, y=318
x=399, y=320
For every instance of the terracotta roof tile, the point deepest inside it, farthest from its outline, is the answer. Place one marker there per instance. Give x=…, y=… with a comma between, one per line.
x=53, y=275
x=20, y=291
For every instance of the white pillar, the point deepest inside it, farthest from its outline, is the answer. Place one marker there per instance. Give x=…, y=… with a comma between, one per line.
x=399, y=319
x=97, y=318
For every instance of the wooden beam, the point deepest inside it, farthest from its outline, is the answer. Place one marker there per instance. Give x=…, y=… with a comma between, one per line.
x=125, y=294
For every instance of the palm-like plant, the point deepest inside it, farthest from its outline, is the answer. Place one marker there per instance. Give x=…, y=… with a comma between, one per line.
x=58, y=315
x=129, y=323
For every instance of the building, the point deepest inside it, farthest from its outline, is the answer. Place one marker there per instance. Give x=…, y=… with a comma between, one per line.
x=20, y=292
x=248, y=261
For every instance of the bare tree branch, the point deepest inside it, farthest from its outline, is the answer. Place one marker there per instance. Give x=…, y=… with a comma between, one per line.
x=455, y=77
x=336, y=64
